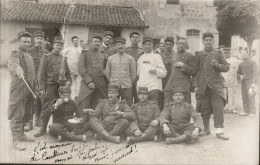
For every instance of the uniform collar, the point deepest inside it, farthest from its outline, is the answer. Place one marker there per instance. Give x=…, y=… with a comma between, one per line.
x=143, y=103
x=208, y=49
x=134, y=46
x=55, y=53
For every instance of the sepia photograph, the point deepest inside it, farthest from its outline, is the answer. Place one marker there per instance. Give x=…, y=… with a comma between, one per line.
x=129, y=82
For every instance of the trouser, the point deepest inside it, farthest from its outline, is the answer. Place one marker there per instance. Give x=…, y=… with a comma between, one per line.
x=64, y=130
x=248, y=101
x=51, y=94
x=17, y=116
x=28, y=115
x=212, y=102
x=75, y=85
x=114, y=129
x=230, y=96
x=134, y=91
x=126, y=94
x=187, y=130
x=37, y=107
x=91, y=100
x=149, y=130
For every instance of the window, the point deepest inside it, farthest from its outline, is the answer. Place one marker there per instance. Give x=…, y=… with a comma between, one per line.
x=175, y=2
x=193, y=32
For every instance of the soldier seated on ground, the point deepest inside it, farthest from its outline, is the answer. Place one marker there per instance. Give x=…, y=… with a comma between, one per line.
x=147, y=114
x=175, y=120
x=111, y=117
x=63, y=126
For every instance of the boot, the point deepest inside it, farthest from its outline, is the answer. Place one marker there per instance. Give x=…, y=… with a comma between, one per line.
x=37, y=122
x=222, y=136
x=41, y=132
x=97, y=136
x=18, y=145
x=26, y=138
x=113, y=139
x=176, y=140
x=205, y=132
x=73, y=137
x=28, y=126
x=134, y=139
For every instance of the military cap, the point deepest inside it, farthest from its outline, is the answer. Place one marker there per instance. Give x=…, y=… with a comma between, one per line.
x=96, y=36
x=58, y=40
x=142, y=90
x=148, y=39
x=208, y=34
x=64, y=89
x=134, y=33
x=171, y=39
x=177, y=89
x=112, y=88
x=38, y=34
x=120, y=39
x=109, y=33
x=24, y=34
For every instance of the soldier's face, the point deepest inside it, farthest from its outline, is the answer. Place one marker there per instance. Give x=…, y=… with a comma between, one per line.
x=112, y=95
x=148, y=47
x=161, y=46
x=39, y=41
x=178, y=97
x=58, y=47
x=143, y=96
x=120, y=47
x=95, y=43
x=135, y=39
x=181, y=44
x=168, y=45
x=208, y=42
x=108, y=39
x=227, y=54
x=75, y=42
x=25, y=43
x=65, y=97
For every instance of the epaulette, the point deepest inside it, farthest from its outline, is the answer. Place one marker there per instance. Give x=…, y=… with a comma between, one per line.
x=187, y=105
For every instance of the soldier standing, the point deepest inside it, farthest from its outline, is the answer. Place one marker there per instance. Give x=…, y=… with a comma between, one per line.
x=21, y=69
x=93, y=85
x=135, y=51
x=175, y=120
x=53, y=71
x=37, y=52
x=147, y=114
x=182, y=71
x=121, y=71
x=209, y=83
x=111, y=117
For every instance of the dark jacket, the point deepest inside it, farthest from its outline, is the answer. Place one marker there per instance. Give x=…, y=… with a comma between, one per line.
x=248, y=68
x=37, y=53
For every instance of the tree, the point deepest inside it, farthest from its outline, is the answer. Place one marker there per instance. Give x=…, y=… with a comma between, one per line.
x=239, y=18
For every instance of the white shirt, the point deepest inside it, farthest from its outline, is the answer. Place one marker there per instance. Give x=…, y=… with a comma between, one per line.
x=231, y=76
x=145, y=63
x=72, y=53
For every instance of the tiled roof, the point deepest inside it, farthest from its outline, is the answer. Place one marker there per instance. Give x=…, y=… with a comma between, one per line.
x=73, y=14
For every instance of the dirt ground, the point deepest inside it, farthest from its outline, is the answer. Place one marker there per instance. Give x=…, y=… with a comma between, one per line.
x=242, y=148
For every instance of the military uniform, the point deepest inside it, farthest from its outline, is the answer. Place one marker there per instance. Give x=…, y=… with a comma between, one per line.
x=20, y=96
x=145, y=113
x=53, y=71
x=177, y=116
x=248, y=68
x=91, y=70
x=180, y=77
x=37, y=54
x=210, y=82
x=61, y=114
x=105, y=122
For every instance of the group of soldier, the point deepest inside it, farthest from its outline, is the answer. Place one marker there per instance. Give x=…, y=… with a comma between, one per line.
x=123, y=92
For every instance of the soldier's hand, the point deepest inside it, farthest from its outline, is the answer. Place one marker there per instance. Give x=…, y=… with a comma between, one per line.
x=120, y=114
x=196, y=90
x=42, y=92
x=154, y=123
x=178, y=64
x=58, y=102
x=166, y=130
x=214, y=62
x=152, y=71
x=138, y=133
x=91, y=85
x=19, y=72
x=195, y=133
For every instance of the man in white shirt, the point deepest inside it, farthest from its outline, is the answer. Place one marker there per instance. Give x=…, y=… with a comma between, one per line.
x=231, y=82
x=72, y=53
x=150, y=70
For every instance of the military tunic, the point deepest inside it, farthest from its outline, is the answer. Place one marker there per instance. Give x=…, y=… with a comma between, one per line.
x=145, y=113
x=107, y=51
x=180, y=77
x=210, y=82
x=167, y=60
x=178, y=115
x=104, y=119
x=20, y=96
x=91, y=70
